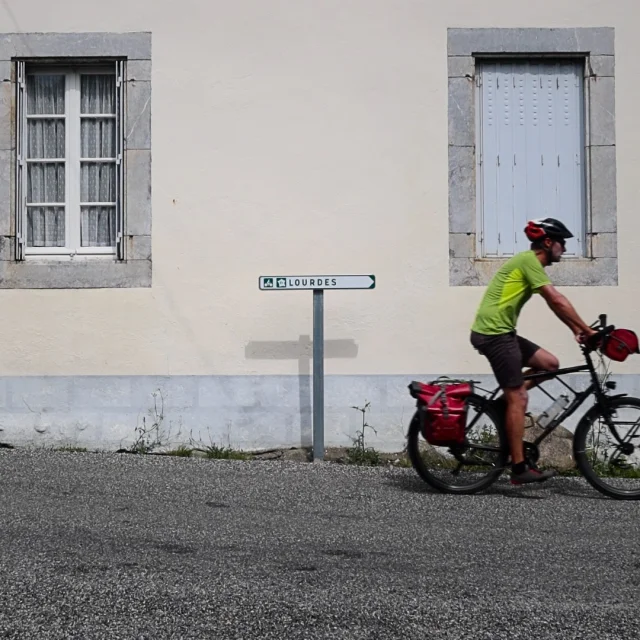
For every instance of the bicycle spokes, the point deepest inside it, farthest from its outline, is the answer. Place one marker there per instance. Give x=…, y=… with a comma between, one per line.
x=463, y=464
x=612, y=447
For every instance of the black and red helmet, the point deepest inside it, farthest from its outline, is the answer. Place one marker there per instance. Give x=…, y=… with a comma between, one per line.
x=546, y=227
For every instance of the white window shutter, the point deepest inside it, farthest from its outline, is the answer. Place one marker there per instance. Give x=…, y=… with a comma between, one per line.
x=21, y=167
x=530, y=152
x=120, y=141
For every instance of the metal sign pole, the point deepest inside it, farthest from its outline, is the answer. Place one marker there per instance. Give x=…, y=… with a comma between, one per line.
x=318, y=374
x=317, y=283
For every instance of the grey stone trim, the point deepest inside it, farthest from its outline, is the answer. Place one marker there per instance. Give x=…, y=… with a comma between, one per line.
x=85, y=274
x=462, y=190
x=604, y=245
x=6, y=180
x=461, y=112
x=603, y=189
x=460, y=66
x=138, y=117
x=139, y=71
x=462, y=245
x=602, y=109
x=6, y=108
x=469, y=42
x=139, y=247
x=601, y=66
x=7, y=248
x=96, y=272
x=473, y=272
x=597, y=47
x=138, y=172
x=133, y=46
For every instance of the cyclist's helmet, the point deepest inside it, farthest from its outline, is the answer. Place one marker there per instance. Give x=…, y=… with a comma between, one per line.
x=547, y=227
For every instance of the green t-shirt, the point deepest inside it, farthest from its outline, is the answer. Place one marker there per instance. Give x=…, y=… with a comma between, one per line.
x=507, y=293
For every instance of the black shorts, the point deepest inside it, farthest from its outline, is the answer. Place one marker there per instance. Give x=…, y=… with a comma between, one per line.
x=508, y=354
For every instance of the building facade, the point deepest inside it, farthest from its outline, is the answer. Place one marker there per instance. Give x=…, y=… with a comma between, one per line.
x=157, y=159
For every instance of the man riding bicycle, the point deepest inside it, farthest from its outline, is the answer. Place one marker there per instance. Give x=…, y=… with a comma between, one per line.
x=494, y=335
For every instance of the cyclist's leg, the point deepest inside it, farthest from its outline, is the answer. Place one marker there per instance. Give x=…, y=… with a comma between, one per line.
x=537, y=359
x=506, y=359
x=521, y=472
x=516, y=399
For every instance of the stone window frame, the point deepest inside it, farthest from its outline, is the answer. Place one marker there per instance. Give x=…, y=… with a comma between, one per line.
x=596, y=46
x=135, y=270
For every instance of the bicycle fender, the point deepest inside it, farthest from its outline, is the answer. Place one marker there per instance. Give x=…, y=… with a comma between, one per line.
x=595, y=408
x=617, y=395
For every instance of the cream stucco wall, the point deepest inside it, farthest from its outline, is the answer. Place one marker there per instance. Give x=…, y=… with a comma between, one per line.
x=298, y=136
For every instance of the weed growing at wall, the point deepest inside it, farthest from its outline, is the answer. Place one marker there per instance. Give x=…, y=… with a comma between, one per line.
x=152, y=433
x=180, y=452
x=359, y=453
x=215, y=452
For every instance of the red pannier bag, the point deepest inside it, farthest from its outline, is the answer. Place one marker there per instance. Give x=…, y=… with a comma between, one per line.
x=620, y=344
x=442, y=410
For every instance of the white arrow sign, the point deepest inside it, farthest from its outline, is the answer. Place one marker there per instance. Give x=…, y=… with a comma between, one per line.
x=288, y=283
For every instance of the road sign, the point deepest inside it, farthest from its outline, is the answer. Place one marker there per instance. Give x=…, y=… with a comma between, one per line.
x=288, y=283
x=318, y=284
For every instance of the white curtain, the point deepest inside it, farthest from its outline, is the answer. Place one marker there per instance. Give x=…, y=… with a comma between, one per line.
x=46, y=141
x=46, y=180
x=97, y=179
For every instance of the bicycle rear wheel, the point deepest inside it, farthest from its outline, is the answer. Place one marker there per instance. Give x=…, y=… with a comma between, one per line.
x=611, y=464
x=467, y=468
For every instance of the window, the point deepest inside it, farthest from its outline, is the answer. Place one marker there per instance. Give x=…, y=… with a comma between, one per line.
x=531, y=132
x=69, y=160
x=530, y=151
x=76, y=193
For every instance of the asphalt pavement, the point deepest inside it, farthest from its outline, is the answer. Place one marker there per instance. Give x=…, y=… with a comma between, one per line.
x=112, y=546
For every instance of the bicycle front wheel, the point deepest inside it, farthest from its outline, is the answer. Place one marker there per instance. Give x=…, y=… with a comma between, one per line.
x=467, y=468
x=608, y=455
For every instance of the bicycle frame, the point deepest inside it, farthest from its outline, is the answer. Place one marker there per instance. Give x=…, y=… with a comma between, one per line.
x=578, y=399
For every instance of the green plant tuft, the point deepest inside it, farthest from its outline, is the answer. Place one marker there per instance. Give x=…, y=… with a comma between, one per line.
x=215, y=452
x=180, y=452
x=359, y=453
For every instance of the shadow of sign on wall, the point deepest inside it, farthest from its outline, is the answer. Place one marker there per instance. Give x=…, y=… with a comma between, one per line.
x=302, y=351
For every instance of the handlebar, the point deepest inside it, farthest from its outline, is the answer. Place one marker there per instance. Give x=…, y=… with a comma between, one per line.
x=593, y=342
x=601, y=334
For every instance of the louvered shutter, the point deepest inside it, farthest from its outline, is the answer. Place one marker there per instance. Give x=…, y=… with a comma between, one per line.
x=530, y=152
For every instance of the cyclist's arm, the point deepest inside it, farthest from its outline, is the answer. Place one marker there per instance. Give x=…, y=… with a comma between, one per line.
x=561, y=306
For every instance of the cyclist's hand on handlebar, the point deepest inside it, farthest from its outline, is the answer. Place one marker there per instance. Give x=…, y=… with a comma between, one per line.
x=582, y=337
